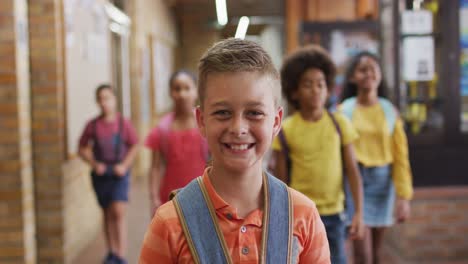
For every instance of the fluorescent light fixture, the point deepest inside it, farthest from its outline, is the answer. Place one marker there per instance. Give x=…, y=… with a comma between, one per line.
x=221, y=12
x=116, y=28
x=117, y=15
x=242, y=27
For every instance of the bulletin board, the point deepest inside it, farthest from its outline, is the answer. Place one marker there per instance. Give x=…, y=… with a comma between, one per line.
x=464, y=65
x=343, y=40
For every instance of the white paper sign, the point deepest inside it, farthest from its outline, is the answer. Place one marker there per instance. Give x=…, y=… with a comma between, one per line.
x=416, y=22
x=418, y=58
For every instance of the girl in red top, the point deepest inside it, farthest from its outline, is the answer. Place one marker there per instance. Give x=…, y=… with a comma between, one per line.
x=179, y=152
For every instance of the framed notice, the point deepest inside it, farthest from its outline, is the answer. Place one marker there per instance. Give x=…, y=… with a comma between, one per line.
x=418, y=58
x=416, y=22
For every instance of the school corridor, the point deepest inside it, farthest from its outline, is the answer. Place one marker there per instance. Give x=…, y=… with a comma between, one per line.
x=54, y=53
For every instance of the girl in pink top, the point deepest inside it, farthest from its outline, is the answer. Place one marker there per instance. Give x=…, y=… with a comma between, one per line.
x=179, y=152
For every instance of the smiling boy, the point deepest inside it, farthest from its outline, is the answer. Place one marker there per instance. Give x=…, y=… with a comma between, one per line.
x=235, y=212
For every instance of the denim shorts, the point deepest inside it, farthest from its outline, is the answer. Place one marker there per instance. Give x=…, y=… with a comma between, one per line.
x=110, y=187
x=379, y=196
x=335, y=226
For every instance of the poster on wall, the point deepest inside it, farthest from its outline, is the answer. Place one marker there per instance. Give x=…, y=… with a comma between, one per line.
x=418, y=58
x=464, y=64
x=343, y=40
x=464, y=46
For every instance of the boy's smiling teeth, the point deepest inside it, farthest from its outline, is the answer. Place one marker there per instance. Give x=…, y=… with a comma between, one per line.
x=238, y=146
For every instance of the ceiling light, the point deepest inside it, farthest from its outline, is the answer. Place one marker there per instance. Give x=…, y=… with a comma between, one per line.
x=221, y=12
x=242, y=27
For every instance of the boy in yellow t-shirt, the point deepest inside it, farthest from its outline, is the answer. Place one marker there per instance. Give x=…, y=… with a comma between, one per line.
x=316, y=141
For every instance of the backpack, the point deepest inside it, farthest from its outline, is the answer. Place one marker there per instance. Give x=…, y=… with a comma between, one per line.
x=348, y=106
x=206, y=240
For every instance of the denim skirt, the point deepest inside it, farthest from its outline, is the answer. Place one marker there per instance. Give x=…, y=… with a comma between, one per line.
x=379, y=196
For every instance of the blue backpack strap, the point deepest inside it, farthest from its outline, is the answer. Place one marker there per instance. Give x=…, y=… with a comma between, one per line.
x=205, y=239
x=348, y=106
x=202, y=233
x=390, y=113
x=278, y=233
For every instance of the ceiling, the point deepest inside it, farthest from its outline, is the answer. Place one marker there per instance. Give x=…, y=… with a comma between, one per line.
x=235, y=8
x=261, y=12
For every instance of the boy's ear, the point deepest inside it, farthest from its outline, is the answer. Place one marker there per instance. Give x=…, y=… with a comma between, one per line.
x=278, y=120
x=200, y=120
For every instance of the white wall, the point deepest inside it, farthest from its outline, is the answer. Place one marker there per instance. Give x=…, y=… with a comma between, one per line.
x=151, y=20
x=271, y=40
x=155, y=19
x=88, y=63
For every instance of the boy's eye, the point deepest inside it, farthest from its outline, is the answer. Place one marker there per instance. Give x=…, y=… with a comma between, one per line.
x=255, y=114
x=222, y=113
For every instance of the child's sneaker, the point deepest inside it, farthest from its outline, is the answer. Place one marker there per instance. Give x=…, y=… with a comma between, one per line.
x=119, y=260
x=109, y=258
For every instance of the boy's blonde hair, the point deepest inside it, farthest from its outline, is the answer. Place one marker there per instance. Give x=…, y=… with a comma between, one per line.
x=237, y=55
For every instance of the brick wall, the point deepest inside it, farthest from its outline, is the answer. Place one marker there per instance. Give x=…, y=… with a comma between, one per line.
x=437, y=231
x=47, y=86
x=67, y=214
x=17, y=228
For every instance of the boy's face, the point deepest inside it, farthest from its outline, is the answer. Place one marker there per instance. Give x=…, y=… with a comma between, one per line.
x=107, y=101
x=312, y=92
x=239, y=118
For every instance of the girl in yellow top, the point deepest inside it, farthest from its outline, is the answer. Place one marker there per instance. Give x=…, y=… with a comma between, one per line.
x=382, y=153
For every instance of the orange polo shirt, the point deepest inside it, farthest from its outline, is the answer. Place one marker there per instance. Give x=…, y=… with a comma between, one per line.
x=165, y=241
